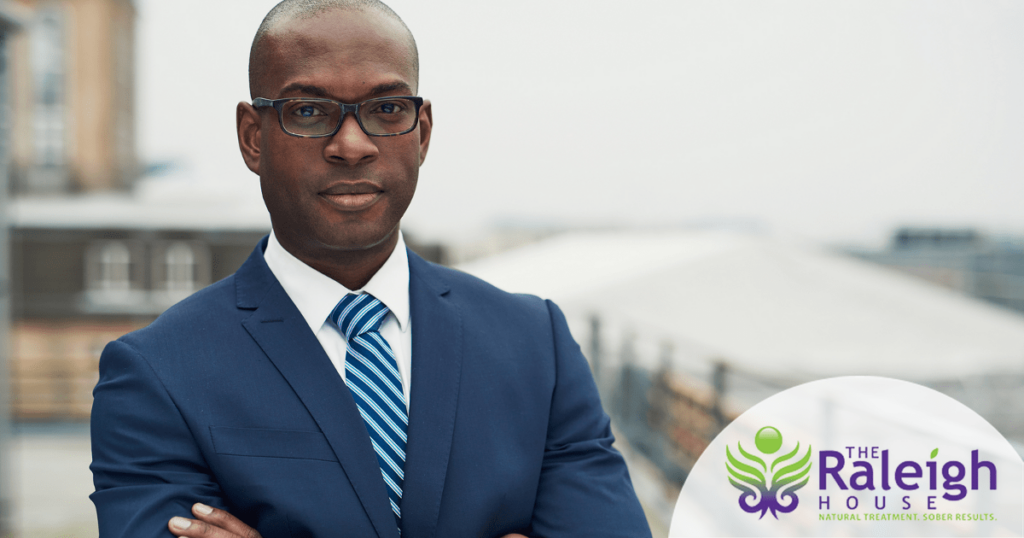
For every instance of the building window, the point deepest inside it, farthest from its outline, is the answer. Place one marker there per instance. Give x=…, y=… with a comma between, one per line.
x=180, y=268
x=113, y=263
x=47, y=59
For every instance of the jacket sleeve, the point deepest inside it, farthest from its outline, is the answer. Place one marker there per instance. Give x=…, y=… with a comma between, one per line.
x=584, y=487
x=146, y=464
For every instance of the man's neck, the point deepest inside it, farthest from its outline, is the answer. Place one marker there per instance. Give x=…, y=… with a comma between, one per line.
x=350, y=268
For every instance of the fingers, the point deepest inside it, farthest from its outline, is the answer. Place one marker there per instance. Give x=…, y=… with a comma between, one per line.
x=211, y=523
x=224, y=520
x=190, y=528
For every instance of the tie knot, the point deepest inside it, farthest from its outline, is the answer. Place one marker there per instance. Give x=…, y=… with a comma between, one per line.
x=358, y=314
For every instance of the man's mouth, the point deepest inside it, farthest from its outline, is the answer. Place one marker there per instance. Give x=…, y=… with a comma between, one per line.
x=353, y=196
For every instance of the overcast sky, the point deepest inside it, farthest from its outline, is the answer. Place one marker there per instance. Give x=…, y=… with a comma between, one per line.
x=833, y=121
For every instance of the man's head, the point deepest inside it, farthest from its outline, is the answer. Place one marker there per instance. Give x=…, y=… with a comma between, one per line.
x=338, y=197
x=305, y=9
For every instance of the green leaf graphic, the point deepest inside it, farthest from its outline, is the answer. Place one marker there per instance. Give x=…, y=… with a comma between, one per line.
x=739, y=466
x=741, y=487
x=934, y=453
x=751, y=457
x=781, y=459
x=781, y=479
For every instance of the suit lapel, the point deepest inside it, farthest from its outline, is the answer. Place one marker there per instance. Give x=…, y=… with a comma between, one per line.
x=279, y=329
x=436, y=372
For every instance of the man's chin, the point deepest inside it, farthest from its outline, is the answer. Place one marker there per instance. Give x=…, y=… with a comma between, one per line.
x=361, y=242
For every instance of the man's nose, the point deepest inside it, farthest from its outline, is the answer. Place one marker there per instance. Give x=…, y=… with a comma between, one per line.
x=350, y=144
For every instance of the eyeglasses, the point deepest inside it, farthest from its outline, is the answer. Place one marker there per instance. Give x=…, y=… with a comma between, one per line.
x=316, y=118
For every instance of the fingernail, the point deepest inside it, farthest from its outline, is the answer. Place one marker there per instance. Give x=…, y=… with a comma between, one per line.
x=180, y=523
x=203, y=509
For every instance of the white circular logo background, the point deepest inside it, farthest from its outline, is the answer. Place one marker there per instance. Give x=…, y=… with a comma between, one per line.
x=855, y=456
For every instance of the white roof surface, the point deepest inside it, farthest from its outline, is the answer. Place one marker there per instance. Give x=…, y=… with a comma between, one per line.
x=167, y=203
x=766, y=306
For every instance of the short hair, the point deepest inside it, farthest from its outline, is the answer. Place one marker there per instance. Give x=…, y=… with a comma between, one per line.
x=303, y=9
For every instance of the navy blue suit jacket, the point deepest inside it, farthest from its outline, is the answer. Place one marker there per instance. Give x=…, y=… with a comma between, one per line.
x=229, y=399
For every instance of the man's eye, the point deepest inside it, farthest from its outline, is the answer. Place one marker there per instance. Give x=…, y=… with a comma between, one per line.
x=307, y=110
x=387, y=108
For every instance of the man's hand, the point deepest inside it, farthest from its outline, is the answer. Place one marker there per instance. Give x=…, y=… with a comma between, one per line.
x=212, y=523
x=215, y=523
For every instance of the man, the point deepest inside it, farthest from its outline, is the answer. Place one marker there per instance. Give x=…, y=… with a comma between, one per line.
x=338, y=385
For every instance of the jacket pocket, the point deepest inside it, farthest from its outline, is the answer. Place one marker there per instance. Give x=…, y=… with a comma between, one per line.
x=261, y=442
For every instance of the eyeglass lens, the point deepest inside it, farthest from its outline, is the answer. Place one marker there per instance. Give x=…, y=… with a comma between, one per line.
x=378, y=116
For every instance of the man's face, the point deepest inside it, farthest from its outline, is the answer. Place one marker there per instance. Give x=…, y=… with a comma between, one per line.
x=347, y=192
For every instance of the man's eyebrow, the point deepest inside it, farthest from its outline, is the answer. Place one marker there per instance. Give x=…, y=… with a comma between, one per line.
x=390, y=87
x=317, y=91
x=298, y=87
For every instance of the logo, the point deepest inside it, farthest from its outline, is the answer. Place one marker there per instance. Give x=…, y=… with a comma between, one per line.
x=786, y=473
x=889, y=458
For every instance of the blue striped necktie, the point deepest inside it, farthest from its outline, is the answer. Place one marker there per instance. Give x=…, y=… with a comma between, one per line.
x=371, y=373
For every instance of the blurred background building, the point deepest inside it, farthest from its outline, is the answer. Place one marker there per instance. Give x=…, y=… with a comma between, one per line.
x=11, y=21
x=73, y=126
x=988, y=267
x=68, y=127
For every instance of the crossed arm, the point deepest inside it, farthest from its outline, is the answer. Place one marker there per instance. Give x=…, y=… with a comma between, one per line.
x=213, y=523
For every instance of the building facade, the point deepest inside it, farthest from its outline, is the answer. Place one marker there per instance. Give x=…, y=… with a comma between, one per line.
x=990, y=268
x=77, y=288
x=12, y=20
x=73, y=97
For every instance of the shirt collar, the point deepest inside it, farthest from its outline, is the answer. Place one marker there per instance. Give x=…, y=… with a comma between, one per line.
x=316, y=294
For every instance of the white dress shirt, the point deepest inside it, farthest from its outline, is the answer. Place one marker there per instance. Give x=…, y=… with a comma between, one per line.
x=316, y=294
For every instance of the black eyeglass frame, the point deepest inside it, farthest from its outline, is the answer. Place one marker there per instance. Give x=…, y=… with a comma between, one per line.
x=278, y=104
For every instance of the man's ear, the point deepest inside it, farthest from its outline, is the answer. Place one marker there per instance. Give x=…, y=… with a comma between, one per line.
x=247, y=121
x=426, y=125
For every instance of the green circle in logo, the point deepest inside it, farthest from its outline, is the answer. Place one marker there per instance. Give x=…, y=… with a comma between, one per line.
x=768, y=440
